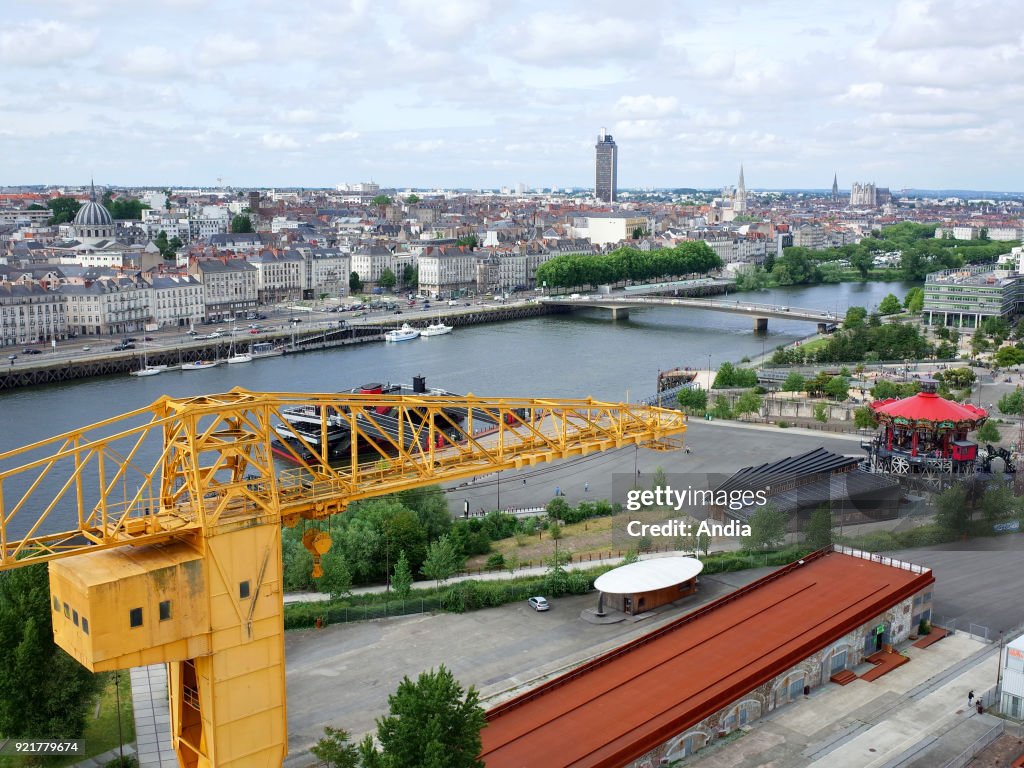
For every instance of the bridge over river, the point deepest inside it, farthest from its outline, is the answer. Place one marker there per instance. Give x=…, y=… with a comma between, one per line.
x=619, y=304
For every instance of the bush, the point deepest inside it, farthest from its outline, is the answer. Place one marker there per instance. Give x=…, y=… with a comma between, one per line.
x=496, y=562
x=127, y=761
x=782, y=424
x=924, y=627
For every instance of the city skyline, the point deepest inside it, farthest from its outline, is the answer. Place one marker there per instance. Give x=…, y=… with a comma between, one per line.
x=446, y=94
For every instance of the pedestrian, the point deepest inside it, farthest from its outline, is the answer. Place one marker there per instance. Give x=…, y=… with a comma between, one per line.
x=558, y=490
x=586, y=487
x=524, y=481
x=970, y=698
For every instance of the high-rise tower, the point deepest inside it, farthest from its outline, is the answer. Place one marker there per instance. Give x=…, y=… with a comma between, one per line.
x=606, y=168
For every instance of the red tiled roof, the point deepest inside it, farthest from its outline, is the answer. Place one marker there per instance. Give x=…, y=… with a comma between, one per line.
x=620, y=706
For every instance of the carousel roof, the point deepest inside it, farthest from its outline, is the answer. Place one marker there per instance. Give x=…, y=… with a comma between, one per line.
x=928, y=409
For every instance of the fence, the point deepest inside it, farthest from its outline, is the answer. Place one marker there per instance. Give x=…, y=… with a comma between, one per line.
x=983, y=741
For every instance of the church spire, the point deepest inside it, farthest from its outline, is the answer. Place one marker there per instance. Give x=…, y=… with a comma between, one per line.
x=92, y=190
x=741, y=187
x=835, y=186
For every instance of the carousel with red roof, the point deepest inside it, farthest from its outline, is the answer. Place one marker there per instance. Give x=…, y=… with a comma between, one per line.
x=927, y=433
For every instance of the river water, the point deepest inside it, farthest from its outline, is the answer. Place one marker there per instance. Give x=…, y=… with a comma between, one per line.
x=579, y=355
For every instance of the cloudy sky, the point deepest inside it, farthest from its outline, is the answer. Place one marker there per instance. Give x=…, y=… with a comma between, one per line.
x=482, y=93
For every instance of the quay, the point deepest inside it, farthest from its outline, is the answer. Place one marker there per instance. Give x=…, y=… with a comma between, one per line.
x=28, y=372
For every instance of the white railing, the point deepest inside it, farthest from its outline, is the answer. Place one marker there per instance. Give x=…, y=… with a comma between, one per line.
x=882, y=559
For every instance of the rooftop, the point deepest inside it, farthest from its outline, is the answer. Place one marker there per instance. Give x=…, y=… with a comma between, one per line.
x=621, y=705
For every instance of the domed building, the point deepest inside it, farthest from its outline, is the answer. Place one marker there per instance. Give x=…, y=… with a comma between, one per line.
x=93, y=222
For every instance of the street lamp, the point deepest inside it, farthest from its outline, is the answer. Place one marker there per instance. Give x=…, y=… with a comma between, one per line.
x=709, y=371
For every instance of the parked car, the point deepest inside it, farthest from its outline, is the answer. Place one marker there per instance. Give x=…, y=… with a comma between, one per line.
x=539, y=603
x=86, y=348
x=31, y=351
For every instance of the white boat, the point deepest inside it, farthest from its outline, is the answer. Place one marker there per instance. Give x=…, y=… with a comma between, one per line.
x=200, y=365
x=265, y=349
x=436, y=328
x=243, y=358
x=405, y=333
x=148, y=370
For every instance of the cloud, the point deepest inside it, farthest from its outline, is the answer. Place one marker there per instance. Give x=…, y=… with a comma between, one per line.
x=862, y=92
x=647, y=106
x=279, y=141
x=40, y=43
x=326, y=138
x=300, y=116
x=224, y=48
x=548, y=37
x=929, y=24
x=444, y=20
x=150, y=61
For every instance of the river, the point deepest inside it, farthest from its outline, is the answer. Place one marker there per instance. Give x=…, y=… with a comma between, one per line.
x=579, y=355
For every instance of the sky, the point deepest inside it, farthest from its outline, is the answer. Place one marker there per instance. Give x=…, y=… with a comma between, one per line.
x=489, y=93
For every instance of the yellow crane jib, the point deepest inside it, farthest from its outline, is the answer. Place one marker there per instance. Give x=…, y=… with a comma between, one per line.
x=163, y=525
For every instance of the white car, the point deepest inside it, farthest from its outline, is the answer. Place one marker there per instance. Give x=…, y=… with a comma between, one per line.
x=539, y=603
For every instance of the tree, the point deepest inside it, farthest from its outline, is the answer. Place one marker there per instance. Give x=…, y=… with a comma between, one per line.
x=443, y=559
x=470, y=241
x=1007, y=357
x=401, y=580
x=721, y=409
x=862, y=261
x=855, y=317
x=988, y=433
x=412, y=199
x=161, y=242
x=43, y=691
x=554, y=530
x=388, y=279
x=998, y=502
x=704, y=542
x=410, y=276
x=862, y=418
x=432, y=723
x=767, y=528
x=748, y=402
x=693, y=400
x=334, y=749
x=838, y=387
x=819, y=528
x=890, y=305
x=1012, y=403
x=241, y=224
x=355, y=285
x=794, y=382
x=381, y=201
x=64, y=209
x=913, y=302
x=820, y=412
x=952, y=512
x=337, y=578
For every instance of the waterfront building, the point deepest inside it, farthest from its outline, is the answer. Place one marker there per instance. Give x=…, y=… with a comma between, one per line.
x=175, y=300
x=606, y=165
x=230, y=286
x=444, y=271
x=325, y=272
x=107, y=306
x=965, y=296
x=29, y=313
x=370, y=261
x=278, y=276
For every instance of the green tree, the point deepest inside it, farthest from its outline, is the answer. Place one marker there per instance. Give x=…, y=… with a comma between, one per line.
x=337, y=578
x=794, y=382
x=1007, y=357
x=767, y=528
x=161, y=243
x=401, y=579
x=43, y=691
x=819, y=528
x=334, y=749
x=913, y=302
x=952, y=512
x=721, y=409
x=431, y=723
x=862, y=418
x=412, y=199
x=693, y=400
x=431, y=508
x=988, y=433
x=1012, y=403
x=862, y=260
x=410, y=276
x=241, y=224
x=998, y=502
x=355, y=285
x=838, y=387
x=388, y=279
x=63, y=208
x=554, y=530
x=890, y=305
x=470, y=241
x=748, y=402
x=704, y=542
x=381, y=201
x=855, y=317
x=820, y=412
x=557, y=509
x=443, y=559
x=979, y=342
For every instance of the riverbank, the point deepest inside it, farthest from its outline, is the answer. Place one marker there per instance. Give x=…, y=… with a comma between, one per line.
x=28, y=372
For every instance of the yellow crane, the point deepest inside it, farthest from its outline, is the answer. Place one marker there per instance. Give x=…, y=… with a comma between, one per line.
x=162, y=526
